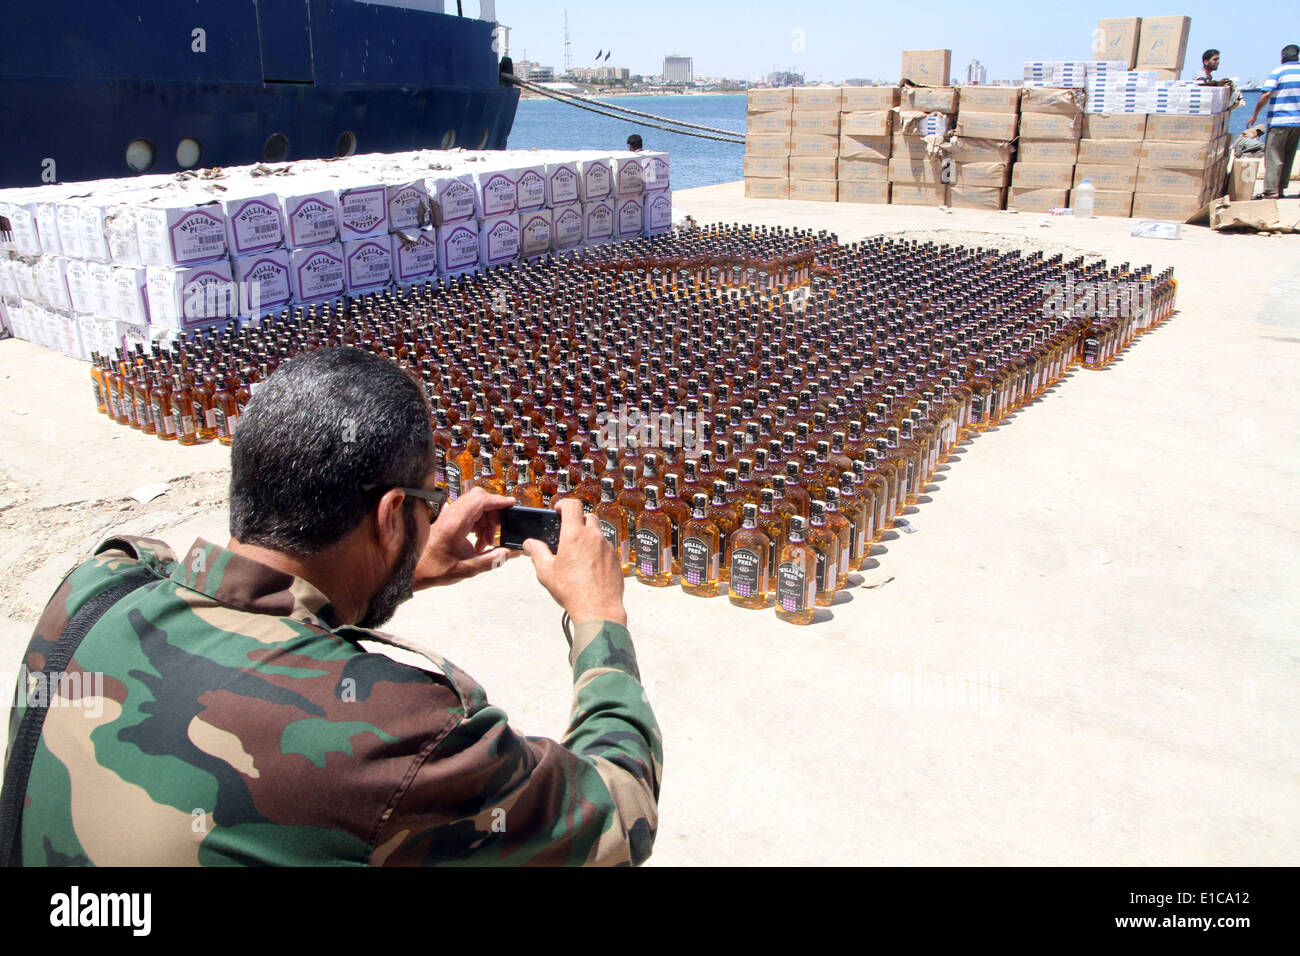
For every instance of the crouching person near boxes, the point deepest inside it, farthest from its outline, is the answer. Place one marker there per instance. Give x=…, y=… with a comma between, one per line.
x=227, y=709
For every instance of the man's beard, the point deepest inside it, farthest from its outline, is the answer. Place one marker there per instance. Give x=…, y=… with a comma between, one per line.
x=398, y=586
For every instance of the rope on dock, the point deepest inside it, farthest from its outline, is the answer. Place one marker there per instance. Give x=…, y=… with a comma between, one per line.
x=596, y=106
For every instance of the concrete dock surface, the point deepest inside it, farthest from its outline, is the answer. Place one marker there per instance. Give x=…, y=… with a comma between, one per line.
x=1086, y=650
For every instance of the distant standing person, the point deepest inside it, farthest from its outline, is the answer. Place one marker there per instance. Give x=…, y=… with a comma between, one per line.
x=1282, y=93
x=634, y=142
x=1209, y=63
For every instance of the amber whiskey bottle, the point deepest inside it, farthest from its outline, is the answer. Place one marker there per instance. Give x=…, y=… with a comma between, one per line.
x=614, y=522
x=678, y=513
x=748, y=581
x=774, y=524
x=723, y=514
x=701, y=547
x=525, y=491
x=861, y=520
x=653, y=542
x=796, y=577
x=183, y=412
x=460, y=466
x=486, y=477
x=842, y=528
x=827, y=545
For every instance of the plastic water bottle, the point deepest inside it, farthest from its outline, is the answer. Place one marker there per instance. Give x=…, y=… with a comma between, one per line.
x=1082, y=199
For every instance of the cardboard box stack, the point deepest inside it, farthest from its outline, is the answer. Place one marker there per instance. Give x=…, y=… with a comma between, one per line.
x=1051, y=124
x=769, y=126
x=1183, y=164
x=980, y=158
x=924, y=114
x=90, y=267
x=1116, y=39
x=815, y=143
x=866, y=142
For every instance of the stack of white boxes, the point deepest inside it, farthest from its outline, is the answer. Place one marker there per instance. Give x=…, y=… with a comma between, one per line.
x=88, y=267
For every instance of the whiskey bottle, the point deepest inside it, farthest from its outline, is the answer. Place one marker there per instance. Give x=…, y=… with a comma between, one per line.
x=701, y=551
x=827, y=546
x=774, y=524
x=796, y=577
x=748, y=581
x=678, y=513
x=723, y=514
x=842, y=528
x=654, y=554
x=613, y=518
x=460, y=466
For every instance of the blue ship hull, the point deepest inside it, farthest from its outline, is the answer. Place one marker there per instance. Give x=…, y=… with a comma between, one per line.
x=264, y=80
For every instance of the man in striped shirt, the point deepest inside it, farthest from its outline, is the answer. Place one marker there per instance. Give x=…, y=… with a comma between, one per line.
x=1282, y=93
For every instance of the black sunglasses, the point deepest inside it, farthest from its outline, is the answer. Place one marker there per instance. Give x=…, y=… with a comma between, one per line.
x=433, y=500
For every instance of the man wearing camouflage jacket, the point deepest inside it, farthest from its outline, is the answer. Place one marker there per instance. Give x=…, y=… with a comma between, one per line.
x=240, y=720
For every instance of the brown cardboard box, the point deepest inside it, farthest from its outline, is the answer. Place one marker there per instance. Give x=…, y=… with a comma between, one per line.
x=814, y=144
x=1177, y=208
x=1048, y=151
x=905, y=170
x=1117, y=39
x=868, y=98
x=1001, y=126
x=767, y=188
x=981, y=174
x=1026, y=176
x=969, y=149
x=1174, y=128
x=865, y=147
x=1154, y=181
x=778, y=121
x=989, y=99
x=865, y=170
x=976, y=197
x=817, y=98
x=874, y=123
x=820, y=121
x=1174, y=155
x=815, y=190
x=1037, y=200
x=764, y=101
x=1107, y=178
x=909, y=146
x=1051, y=126
x=927, y=67
x=1107, y=202
x=1115, y=152
x=767, y=167
x=918, y=194
x=1245, y=175
x=873, y=192
x=1041, y=99
x=813, y=167
x=767, y=144
x=1162, y=43
x=1114, y=125
x=928, y=99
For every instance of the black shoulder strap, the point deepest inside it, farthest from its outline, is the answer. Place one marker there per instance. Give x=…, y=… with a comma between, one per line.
x=19, y=768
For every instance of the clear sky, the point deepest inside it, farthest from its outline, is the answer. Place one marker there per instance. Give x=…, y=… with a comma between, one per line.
x=841, y=38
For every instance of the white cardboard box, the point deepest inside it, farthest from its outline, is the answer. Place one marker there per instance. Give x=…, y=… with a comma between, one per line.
x=316, y=272
x=454, y=197
x=499, y=239
x=311, y=215
x=175, y=232
x=566, y=226
x=363, y=211
x=263, y=280
x=415, y=256
x=367, y=264
x=629, y=217
x=597, y=221
x=183, y=296
x=458, y=247
x=535, y=232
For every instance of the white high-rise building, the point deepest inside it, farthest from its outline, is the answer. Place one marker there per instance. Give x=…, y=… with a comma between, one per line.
x=678, y=69
x=976, y=74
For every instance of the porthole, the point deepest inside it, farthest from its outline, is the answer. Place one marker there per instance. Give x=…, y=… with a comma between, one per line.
x=140, y=155
x=276, y=149
x=347, y=144
x=483, y=140
x=188, y=153
x=449, y=139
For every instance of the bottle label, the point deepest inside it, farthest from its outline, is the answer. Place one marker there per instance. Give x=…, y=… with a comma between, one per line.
x=699, y=563
x=795, y=591
x=210, y=416
x=1091, y=347
x=855, y=540
x=222, y=422
x=454, y=481
x=977, y=407
x=99, y=394
x=826, y=572
x=650, y=552
x=746, y=572
x=141, y=411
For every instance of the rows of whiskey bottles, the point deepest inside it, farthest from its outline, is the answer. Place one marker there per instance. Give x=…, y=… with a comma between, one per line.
x=729, y=435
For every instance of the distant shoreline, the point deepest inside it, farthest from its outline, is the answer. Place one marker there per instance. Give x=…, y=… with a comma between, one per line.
x=601, y=96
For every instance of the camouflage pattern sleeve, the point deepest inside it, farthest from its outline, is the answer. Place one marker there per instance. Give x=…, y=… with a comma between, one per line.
x=485, y=794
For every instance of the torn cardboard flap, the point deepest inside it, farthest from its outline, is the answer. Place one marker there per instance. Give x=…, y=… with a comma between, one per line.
x=1257, y=215
x=1037, y=99
x=967, y=149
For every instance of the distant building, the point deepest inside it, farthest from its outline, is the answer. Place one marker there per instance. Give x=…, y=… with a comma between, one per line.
x=678, y=69
x=784, y=78
x=976, y=74
x=528, y=70
x=600, y=74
